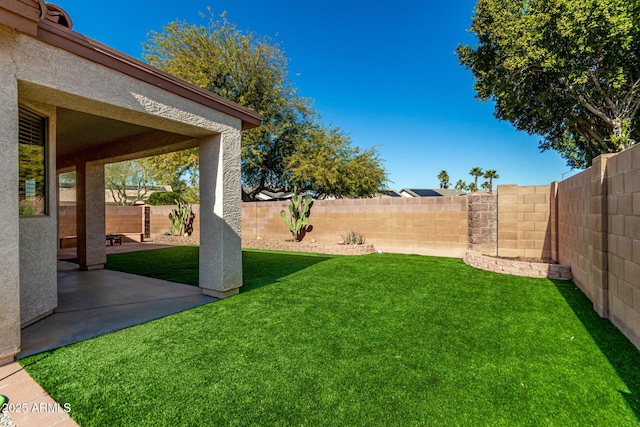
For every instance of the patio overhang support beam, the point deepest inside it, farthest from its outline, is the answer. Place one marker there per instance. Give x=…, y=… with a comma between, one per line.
x=152, y=143
x=220, y=218
x=90, y=215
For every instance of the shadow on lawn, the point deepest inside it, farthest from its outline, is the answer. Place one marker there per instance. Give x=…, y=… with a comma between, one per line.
x=180, y=264
x=264, y=268
x=619, y=351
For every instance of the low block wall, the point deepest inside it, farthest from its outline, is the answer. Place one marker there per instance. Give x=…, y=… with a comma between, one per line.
x=518, y=268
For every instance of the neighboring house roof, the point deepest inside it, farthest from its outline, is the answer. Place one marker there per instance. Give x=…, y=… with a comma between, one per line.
x=387, y=192
x=430, y=192
x=266, y=195
x=270, y=195
x=52, y=25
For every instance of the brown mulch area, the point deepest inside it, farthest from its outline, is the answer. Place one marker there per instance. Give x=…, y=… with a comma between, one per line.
x=314, y=247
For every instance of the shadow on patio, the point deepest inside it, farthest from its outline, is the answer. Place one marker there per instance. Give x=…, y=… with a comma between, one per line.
x=93, y=303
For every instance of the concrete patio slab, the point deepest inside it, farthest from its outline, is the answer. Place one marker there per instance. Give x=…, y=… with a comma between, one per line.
x=93, y=303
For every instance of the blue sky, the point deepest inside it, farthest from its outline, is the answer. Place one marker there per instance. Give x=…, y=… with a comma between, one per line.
x=384, y=72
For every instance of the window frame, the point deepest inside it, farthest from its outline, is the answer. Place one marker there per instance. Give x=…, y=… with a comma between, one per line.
x=34, y=120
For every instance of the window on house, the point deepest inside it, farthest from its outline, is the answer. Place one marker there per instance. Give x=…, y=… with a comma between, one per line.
x=32, y=138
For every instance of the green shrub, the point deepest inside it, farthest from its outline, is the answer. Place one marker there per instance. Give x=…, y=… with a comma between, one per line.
x=163, y=198
x=353, y=238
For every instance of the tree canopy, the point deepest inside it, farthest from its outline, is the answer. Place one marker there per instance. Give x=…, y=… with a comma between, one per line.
x=491, y=175
x=128, y=175
x=325, y=164
x=252, y=70
x=568, y=70
x=476, y=173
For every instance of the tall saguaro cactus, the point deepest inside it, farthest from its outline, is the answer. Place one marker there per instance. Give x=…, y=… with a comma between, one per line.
x=299, y=211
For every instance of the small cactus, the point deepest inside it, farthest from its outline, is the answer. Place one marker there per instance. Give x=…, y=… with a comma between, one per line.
x=179, y=217
x=299, y=211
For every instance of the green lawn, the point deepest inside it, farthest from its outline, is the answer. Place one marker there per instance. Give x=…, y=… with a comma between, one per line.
x=387, y=340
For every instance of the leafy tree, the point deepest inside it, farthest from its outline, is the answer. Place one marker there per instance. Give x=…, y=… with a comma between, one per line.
x=567, y=70
x=491, y=175
x=475, y=173
x=460, y=185
x=31, y=169
x=443, y=177
x=126, y=176
x=325, y=164
x=178, y=169
x=252, y=71
x=68, y=178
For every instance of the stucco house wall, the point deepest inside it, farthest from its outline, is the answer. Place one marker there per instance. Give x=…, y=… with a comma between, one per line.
x=10, y=237
x=38, y=240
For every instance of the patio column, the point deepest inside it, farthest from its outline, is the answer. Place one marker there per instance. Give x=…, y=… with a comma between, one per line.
x=9, y=238
x=90, y=215
x=220, y=215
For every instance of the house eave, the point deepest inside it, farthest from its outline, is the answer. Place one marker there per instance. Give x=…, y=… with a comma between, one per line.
x=94, y=51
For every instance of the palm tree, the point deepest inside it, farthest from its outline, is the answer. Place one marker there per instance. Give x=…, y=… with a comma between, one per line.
x=476, y=173
x=472, y=187
x=461, y=185
x=443, y=176
x=485, y=186
x=491, y=175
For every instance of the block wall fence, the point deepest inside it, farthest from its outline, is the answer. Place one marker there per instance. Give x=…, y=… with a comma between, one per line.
x=599, y=236
x=127, y=220
x=433, y=225
x=590, y=222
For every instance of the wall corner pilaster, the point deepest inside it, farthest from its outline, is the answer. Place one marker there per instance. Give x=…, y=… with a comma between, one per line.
x=483, y=223
x=598, y=236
